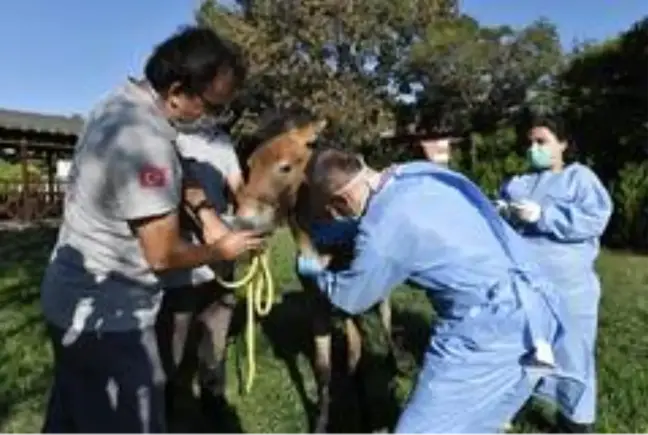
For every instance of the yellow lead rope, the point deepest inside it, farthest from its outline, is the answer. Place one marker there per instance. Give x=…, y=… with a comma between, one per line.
x=259, y=290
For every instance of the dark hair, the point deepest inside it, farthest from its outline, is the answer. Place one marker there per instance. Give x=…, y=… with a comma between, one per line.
x=553, y=123
x=330, y=168
x=560, y=129
x=193, y=57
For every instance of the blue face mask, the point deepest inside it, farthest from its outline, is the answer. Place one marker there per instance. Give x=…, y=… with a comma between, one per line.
x=539, y=157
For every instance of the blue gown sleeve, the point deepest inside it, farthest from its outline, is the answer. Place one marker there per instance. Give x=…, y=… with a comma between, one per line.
x=585, y=217
x=377, y=267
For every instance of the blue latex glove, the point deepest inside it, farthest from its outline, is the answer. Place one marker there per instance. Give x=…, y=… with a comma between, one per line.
x=309, y=266
x=333, y=232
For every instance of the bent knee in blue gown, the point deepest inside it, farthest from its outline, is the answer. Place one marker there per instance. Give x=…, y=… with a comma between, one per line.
x=466, y=393
x=584, y=319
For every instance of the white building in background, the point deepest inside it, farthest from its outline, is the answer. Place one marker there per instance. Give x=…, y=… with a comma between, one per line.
x=62, y=170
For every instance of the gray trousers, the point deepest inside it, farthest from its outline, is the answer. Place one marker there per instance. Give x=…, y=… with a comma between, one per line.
x=107, y=382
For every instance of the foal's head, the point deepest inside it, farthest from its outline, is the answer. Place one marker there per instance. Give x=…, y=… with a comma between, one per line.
x=276, y=169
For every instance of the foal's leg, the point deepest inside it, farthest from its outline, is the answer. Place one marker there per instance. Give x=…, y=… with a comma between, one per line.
x=354, y=344
x=215, y=321
x=385, y=311
x=322, y=364
x=377, y=399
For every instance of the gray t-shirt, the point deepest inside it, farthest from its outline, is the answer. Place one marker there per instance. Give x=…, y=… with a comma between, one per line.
x=125, y=168
x=208, y=157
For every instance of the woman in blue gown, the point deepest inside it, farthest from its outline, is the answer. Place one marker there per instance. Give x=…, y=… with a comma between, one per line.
x=562, y=210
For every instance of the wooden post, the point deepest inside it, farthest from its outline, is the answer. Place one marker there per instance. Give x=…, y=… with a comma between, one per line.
x=50, y=162
x=24, y=192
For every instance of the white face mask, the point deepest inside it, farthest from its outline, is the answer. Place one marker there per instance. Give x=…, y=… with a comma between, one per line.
x=441, y=158
x=437, y=151
x=204, y=123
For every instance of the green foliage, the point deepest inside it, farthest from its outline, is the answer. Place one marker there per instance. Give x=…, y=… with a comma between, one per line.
x=474, y=77
x=496, y=160
x=334, y=58
x=13, y=171
x=630, y=194
x=285, y=386
x=355, y=62
x=606, y=89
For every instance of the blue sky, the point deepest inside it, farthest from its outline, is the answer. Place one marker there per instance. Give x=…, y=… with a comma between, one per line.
x=60, y=56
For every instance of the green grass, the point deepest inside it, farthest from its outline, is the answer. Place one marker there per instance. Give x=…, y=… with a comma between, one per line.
x=282, y=397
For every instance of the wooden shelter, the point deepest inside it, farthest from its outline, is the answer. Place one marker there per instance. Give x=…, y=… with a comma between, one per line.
x=30, y=146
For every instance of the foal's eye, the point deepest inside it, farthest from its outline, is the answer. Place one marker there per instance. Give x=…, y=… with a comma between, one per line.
x=284, y=168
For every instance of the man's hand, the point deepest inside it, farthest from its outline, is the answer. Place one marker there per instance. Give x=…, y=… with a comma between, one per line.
x=235, y=243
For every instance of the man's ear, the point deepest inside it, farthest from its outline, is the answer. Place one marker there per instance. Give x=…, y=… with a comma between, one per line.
x=309, y=133
x=173, y=94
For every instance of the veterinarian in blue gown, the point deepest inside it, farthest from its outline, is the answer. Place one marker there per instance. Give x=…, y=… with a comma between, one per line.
x=562, y=211
x=499, y=322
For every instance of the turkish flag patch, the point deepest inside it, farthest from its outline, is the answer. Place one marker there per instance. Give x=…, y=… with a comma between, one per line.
x=152, y=176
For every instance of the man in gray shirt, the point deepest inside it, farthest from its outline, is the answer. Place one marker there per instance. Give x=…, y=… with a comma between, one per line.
x=209, y=157
x=101, y=291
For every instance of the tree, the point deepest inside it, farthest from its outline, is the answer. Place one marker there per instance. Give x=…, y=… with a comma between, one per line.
x=473, y=78
x=336, y=58
x=606, y=89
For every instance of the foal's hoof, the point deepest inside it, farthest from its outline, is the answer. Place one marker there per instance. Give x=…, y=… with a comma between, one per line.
x=321, y=425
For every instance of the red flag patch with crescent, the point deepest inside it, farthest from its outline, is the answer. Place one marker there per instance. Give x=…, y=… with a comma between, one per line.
x=153, y=176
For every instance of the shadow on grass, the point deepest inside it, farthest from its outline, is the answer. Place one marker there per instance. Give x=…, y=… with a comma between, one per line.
x=24, y=364
x=360, y=402
x=412, y=325
x=288, y=330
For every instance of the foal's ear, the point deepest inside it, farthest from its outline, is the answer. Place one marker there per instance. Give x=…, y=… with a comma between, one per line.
x=308, y=133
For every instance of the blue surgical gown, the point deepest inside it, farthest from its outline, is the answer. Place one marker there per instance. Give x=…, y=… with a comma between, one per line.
x=433, y=227
x=576, y=209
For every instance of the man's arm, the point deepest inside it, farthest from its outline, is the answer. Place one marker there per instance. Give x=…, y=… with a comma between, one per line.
x=222, y=159
x=373, y=273
x=198, y=207
x=234, y=181
x=147, y=179
x=164, y=249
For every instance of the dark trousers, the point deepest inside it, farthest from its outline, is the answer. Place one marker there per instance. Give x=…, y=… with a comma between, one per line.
x=106, y=382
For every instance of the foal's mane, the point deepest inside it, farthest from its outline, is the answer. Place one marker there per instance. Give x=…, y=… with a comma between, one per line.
x=272, y=124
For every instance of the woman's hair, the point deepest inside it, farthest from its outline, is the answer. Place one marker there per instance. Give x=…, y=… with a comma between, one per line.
x=557, y=126
x=553, y=123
